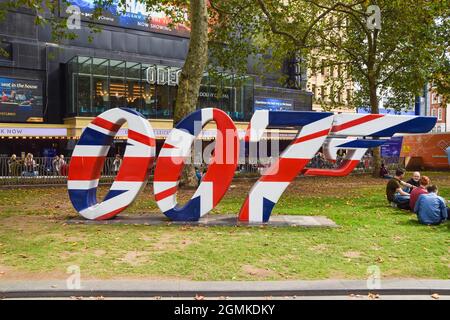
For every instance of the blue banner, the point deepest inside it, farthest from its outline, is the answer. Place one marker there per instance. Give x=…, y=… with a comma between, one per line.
x=133, y=15
x=392, y=148
x=273, y=104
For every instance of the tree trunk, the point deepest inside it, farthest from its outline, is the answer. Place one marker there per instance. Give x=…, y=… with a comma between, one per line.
x=196, y=60
x=375, y=110
x=192, y=73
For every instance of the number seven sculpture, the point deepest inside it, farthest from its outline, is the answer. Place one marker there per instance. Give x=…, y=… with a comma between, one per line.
x=334, y=132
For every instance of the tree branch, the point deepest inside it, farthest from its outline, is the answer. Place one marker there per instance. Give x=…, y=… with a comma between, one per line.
x=274, y=27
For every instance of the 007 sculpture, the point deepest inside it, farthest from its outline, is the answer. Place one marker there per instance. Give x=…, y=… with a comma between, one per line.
x=334, y=132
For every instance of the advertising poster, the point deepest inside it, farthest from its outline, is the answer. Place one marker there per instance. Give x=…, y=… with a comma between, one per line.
x=273, y=104
x=392, y=148
x=20, y=100
x=135, y=16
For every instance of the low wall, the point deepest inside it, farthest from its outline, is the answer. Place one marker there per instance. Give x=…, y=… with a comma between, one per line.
x=429, y=148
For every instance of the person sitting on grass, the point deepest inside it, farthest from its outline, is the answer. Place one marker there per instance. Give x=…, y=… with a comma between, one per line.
x=430, y=208
x=415, y=180
x=422, y=189
x=394, y=192
x=384, y=173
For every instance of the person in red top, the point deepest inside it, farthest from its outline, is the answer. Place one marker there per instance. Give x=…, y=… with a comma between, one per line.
x=416, y=192
x=4, y=96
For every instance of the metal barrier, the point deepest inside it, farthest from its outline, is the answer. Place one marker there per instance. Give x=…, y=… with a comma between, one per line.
x=44, y=171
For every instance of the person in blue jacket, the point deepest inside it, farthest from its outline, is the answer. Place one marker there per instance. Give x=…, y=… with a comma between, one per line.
x=430, y=208
x=198, y=174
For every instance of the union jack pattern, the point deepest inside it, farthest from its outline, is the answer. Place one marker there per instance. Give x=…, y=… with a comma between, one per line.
x=176, y=150
x=372, y=125
x=89, y=155
x=268, y=189
x=354, y=132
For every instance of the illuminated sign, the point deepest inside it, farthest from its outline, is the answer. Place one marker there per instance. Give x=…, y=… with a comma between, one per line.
x=20, y=100
x=163, y=75
x=273, y=104
x=32, y=132
x=133, y=15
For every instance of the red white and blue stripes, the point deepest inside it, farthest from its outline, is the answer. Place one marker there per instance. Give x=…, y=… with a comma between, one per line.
x=379, y=125
x=343, y=131
x=372, y=125
x=176, y=150
x=89, y=155
x=268, y=189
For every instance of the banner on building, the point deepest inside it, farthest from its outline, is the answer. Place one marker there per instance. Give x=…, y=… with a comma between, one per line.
x=392, y=148
x=134, y=16
x=20, y=100
x=273, y=104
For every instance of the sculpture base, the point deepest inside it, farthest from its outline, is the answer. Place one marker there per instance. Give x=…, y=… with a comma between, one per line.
x=212, y=220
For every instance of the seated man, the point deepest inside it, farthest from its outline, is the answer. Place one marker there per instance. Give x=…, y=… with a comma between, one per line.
x=415, y=180
x=394, y=192
x=422, y=189
x=430, y=208
x=384, y=173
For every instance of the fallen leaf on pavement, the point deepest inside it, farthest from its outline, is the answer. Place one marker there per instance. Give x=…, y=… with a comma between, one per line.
x=373, y=296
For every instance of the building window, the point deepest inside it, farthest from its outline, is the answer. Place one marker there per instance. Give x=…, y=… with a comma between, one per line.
x=440, y=114
x=435, y=98
x=314, y=91
x=5, y=51
x=433, y=112
x=96, y=85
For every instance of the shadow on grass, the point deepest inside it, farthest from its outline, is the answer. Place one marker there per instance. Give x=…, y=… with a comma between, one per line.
x=415, y=223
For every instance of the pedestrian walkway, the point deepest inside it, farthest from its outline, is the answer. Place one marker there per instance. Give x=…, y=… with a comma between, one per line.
x=176, y=288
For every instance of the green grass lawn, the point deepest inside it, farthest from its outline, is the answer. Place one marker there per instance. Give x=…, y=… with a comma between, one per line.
x=36, y=243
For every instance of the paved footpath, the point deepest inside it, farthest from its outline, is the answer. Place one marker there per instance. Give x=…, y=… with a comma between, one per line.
x=155, y=288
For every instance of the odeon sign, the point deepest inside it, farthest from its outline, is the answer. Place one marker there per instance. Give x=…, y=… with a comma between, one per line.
x=334, y=132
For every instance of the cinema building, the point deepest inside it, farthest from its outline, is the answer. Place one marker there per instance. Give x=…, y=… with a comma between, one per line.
x=50, y=92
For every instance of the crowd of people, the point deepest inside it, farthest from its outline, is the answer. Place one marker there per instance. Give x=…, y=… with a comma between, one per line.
x=28, y=166
x=418, y=195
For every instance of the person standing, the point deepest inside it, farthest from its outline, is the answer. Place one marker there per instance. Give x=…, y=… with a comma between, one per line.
x=117, y=163
x=13, y=165
x=62, y=165
x=198, y=175
x=30, y=165
x=55, y=165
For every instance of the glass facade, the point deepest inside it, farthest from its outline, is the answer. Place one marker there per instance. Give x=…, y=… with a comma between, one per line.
x=96, y=85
